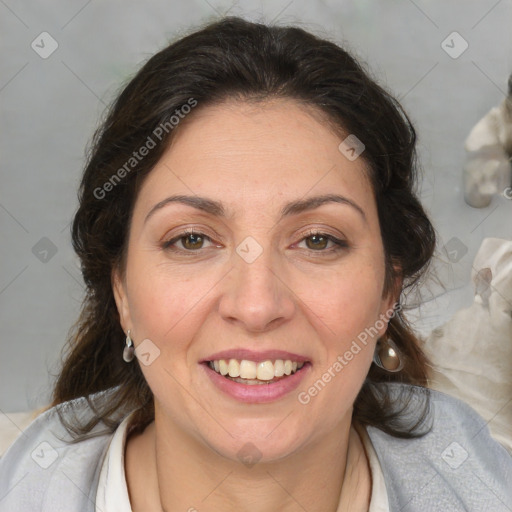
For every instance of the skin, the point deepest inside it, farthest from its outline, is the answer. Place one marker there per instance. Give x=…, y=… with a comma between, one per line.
x=296, y=296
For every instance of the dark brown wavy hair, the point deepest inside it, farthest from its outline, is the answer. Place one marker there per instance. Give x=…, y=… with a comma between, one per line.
x=237, y=59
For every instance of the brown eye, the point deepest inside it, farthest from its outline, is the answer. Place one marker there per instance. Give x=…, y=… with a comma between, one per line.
x=318, y=242
x=189, y=241
x=196, y=241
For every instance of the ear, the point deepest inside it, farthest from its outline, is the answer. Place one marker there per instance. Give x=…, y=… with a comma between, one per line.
x=392, y=296
x=121, y=298
x=390, y=299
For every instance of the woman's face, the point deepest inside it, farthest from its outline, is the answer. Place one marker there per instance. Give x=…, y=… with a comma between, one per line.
x=254, y=283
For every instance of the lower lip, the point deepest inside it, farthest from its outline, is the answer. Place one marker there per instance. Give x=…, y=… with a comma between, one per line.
x=257, y=393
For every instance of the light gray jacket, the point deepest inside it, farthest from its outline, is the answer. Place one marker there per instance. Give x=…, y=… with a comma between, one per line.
x=457, y=466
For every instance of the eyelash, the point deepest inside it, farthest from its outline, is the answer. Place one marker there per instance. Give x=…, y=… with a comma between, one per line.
x=339, y=244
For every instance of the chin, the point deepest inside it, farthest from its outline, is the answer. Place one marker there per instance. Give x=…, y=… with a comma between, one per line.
x=262, y=441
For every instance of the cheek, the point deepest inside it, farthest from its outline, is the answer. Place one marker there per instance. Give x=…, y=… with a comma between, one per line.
x=347, y=308
x=167, y=308
x=347, y=301
x=160, y=302
x=169, y=304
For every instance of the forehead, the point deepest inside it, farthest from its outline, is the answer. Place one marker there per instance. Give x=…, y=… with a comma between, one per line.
x=260, y=154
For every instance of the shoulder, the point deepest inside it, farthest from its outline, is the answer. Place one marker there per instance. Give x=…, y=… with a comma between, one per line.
x=456, y=465
x=44, y=470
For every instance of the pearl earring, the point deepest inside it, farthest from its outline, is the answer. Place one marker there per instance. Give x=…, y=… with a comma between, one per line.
x=129, y=349
x=387, y=356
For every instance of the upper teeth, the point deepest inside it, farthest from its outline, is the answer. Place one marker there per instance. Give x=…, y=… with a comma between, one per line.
x=264, y=370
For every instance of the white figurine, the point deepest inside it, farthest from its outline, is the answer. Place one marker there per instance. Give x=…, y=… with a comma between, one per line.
x=472, y=352
x=487, y=169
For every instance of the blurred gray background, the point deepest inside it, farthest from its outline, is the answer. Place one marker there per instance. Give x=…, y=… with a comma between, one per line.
x=50, y=105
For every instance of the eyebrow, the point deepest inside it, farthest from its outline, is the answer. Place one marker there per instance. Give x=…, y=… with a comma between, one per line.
x=217, y=209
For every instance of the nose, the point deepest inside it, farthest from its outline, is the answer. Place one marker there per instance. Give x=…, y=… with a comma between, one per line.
x=256, y=295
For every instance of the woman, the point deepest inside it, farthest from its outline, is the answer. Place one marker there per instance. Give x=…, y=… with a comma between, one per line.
x=247, y=222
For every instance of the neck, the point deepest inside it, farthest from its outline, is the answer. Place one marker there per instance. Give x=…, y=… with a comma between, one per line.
x=169, y=470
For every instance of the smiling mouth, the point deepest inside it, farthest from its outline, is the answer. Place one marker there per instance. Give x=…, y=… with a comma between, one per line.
x=255, y=373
